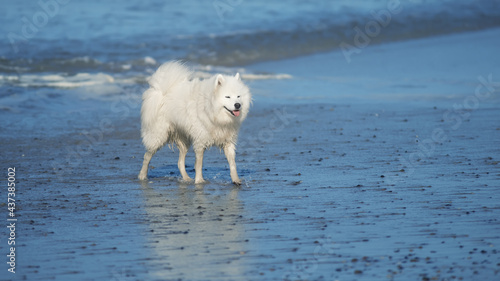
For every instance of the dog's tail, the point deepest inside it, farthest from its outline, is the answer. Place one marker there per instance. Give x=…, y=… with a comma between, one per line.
x=169, y=75
x=154, y=129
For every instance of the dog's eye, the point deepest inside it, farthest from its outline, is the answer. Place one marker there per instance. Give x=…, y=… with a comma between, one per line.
x=227, y=97
x=238, y=96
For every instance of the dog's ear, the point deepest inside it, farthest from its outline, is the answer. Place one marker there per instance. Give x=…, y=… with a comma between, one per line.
x=219, y=80
x=237, y=76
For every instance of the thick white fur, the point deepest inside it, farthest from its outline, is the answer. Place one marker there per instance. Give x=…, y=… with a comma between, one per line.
x=178, y=109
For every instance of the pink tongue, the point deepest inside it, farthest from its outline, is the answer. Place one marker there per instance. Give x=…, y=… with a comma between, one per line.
x=236, y=113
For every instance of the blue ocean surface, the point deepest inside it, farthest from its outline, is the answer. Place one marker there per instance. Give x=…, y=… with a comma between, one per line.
x=67, y=44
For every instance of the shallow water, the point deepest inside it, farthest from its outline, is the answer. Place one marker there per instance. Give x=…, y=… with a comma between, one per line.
x=326, y=201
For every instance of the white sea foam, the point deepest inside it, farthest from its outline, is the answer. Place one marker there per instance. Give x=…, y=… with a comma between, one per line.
x=279, y=76
x=57, y=80
x=82, y=80
x=150, y=60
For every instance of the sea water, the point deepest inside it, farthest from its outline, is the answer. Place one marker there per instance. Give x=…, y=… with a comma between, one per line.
x=66, y=44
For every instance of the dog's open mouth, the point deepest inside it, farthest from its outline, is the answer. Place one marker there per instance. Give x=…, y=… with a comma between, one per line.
x=235, y=113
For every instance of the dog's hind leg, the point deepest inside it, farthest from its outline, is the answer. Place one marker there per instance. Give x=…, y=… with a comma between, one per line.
x=153, y=138
x=198, y=166
x=181, y=164
x=229, y=150
x=143, y=175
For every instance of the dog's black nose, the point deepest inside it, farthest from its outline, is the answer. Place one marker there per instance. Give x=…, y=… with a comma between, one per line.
x=237, y=105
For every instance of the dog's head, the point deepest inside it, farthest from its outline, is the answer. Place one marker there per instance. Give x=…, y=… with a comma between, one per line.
x=232, y=98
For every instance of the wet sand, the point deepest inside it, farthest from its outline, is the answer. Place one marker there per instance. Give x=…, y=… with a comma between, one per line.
x=342, y=189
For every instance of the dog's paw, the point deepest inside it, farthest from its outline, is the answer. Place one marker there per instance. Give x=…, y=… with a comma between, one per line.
x=142, y=177
x=202, y=181
x=187, y=180
x=237, y=182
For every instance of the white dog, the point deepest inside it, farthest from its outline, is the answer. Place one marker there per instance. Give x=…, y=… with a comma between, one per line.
x=185, y=111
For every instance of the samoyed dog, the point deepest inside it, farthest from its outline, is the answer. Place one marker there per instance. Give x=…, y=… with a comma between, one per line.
x=179, y=109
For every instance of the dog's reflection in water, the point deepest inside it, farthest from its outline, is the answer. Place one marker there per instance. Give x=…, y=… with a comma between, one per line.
x=195, y=233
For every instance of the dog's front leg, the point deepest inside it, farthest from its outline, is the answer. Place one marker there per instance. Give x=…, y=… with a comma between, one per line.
x=229, y=150
x=198, y=166
x=183, y=149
